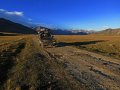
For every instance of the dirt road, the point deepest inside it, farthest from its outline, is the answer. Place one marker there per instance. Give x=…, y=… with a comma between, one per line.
x=24, y=65
x=91, y=70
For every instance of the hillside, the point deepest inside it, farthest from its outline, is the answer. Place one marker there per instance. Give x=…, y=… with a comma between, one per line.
x=110, y=32
x=12, y=27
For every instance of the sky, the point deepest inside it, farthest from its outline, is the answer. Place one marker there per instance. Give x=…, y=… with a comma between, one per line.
x=64, y=14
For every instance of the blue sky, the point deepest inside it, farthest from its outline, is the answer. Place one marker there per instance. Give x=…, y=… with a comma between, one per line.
x=68, y=14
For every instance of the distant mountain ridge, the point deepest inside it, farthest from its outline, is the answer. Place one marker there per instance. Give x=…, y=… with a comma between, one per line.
x=12, y=27
x=65, y=32
x=71, y=32
x=110, y=32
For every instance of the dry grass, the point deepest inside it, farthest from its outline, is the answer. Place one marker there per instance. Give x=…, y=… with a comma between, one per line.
x=29, y=67
x=106, y=45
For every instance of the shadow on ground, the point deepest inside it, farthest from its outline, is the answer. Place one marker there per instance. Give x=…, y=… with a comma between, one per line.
x=62, y=44
x=7, y=62
x=5, y=34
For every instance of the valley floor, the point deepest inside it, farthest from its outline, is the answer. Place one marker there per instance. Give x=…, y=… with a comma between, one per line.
x=24, y=65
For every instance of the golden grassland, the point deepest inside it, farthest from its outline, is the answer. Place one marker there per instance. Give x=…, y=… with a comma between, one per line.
x=14, y=51
x=26, y=66
x=7, y=39
x=106, y=45
x=23, y=64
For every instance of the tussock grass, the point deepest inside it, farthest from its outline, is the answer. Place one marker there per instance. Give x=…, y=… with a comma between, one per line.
x=106, y=45
x=33, y=68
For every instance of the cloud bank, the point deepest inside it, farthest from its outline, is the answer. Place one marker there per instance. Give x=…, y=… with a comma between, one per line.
x=16, y=16
x=15, y=13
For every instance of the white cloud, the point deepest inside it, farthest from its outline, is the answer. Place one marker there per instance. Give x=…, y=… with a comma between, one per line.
x=16, y=16
x=2, y=10
x=16, y=13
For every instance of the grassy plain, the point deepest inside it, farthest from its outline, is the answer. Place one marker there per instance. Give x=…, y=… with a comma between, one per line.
x=24, y=65
x=106, y=45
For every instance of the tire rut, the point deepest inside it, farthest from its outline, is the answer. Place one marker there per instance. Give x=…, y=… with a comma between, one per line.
x=92, y=70
x=7, y=60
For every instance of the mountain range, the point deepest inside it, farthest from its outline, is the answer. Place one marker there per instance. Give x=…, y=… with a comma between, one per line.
x=110, y=31
x=71, y=32
x=12, y=27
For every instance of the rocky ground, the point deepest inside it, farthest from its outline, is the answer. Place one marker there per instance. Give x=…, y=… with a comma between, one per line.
x=93, y=71
x=24, y=65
